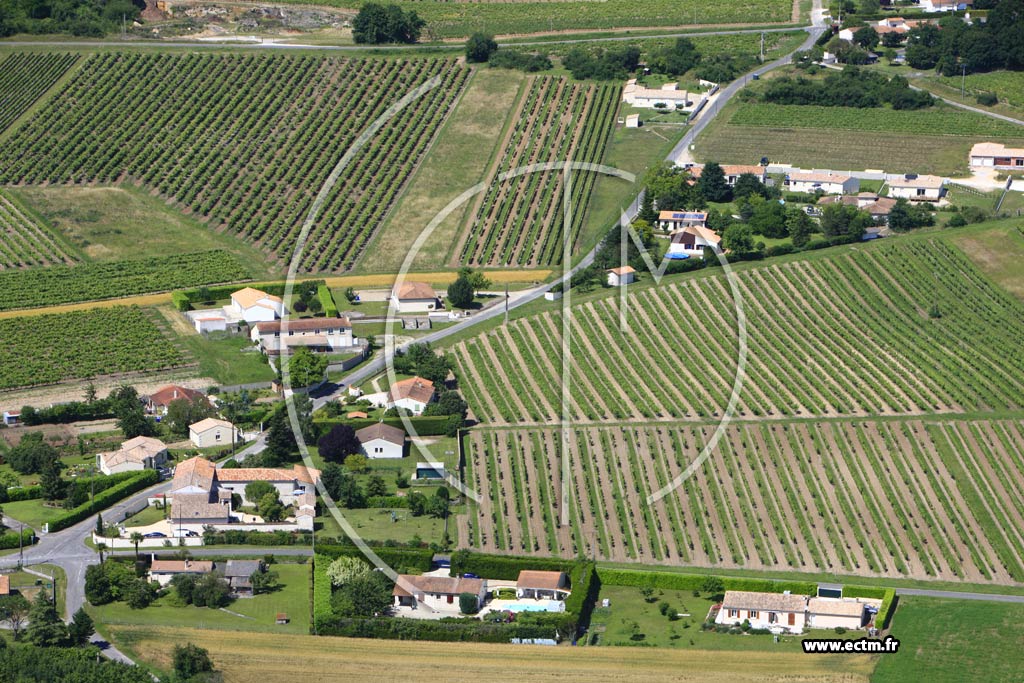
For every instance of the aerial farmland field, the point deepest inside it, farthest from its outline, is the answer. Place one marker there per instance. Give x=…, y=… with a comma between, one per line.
x=25, y=77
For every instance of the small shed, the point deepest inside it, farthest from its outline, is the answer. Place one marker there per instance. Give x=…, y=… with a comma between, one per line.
x=282, y=618
x=622, y=275
x=12, y=418
x=633, y=121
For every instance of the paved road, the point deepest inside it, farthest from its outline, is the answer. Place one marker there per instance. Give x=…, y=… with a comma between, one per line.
x=958, y=595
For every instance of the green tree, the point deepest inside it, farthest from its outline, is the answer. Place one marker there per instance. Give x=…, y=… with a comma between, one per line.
x=477, y=279
x=468, y=603
x=377, y=24
x=256, y=490
x=376, y=486
x=135, y=423
x=190, y=660
x=139, y=593
x=799, y=226
x=281, y=442
x=866, y=37
x=270, y=508
x=99, y=525
x=350, y=294
x=14, y=610
x=264, y=581
x=480, y=47
x=844, y=221
x=306, y=368
x=712, y=183
x=339, y=443
x=45, y=628
x=356, y=463
x=647, y=212
x=183, y=412
x=211, y=590
x=748, y=184
x=769, y=219
x=345, y=568
x=460, y=292
x=54, y=487
x=98, y=590
x=81, y=627
x=184, y=585
x=136, y=538
x=31, y=455
x=738, y=238
x=363, y=596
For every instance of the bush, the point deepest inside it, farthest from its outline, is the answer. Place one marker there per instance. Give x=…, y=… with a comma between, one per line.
x=330, y=309
x=988, y=99
x=436, y=425
x=414, y=559
x=687, y=582
x=106, y=498
x=181, y=301
x=523, y=61
x=190, y=660
x=468, y=603
x=12, y=540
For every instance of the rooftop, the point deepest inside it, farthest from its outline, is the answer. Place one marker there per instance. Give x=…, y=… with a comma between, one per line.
x=772, y=602
x=304, y=325
x=529, y=578
x=839, y=607
x=995, y=149
x=182, y=566
x=209, y=423
x=415, y=290
x=249, y=297
x=197, y=472
x=930, y=182
x=437, y=584
x=172, y=392
x=414, y=388
x=380, y=430
x=622, y=270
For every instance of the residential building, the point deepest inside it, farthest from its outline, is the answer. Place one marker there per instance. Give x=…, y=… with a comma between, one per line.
x=633, y=121
x=159, y=400
x=381, y=441
x=995, y=155
x=413, y=394
x=829, y=183
x=5, y=584
x=692, y=241
x=733, y=172
x=140, y=453
x=919, y=188
x=540, y=585
x=291, y=484
x=764, y=610
x=946, y=5
x=623, y=275
x=12, y=418
x=848, y=613
x=414, y=297
x=322, y=335
x=878, y=207
x=667, y=96
x=162, y=571
x=677, y=220
x=213, y=432
x=238, y=574
x=435, y=592
x=254, y=305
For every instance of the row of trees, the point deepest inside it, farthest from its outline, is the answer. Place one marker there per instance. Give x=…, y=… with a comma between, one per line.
x=851, y=87
x=92, y=18
x=375, y=24
x=38, y=623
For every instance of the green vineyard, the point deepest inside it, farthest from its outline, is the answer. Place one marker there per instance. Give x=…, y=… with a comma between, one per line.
x=916, y=499
x=50, y=348
x=25, y=242
x=850, y=335
x=244, y=142
x=92, y=281
x=519, y=220
x=25, y=77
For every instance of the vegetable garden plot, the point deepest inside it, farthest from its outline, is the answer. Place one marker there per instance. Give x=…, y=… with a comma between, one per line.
x=25, y=77
x=243, y=141
x=849, y=335
x=897, y=499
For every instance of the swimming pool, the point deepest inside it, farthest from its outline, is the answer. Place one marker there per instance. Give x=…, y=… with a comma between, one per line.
x=535, y=606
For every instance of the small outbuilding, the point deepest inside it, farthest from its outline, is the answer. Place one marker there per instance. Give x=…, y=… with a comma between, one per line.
x=212, y=432
x=414, y=297
x=542, y=585
x=623, y=275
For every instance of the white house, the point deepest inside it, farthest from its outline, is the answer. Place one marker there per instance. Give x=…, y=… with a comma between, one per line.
x=995, y=155
x=414, y=297
x=291, y=484
x=633, y=121
x=412, y=394
x=764, y=610
x=677, y=220
x=12, y=417
x=733, y=172
x=435, y=592
x=623, y=275
x=382, y=441
x=945, y=5
x=667, y=96
x=140, y=453
x=541, y=585
x=254, y=305
x=848, y=613
x=829, y=183
x=212, y=432
x=691, y=241
x=324, y=335
x=921, y=188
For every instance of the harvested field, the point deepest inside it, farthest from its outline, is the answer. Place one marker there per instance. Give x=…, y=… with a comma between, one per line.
x=912, y=499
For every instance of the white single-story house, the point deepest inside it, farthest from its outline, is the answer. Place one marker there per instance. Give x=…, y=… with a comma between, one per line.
x=322, y=335
x=919, y=188
x=764, y=610
x=436, y=592
x=414, y=297
x=995, y=155
x=733, y=172
x=633, y=121
x=382, y=441
x=12, y=417
x=541, y=585
x=848, y=613
x=413, y=394
x=667, y=96
x=677, y=220
x=140, y=453
x=254, y=305
x=159, y=400
x=162, y=571
x=623, y=275
x=212, y=432
x=692, y=241
x=209, y=321
x=945, y=5
x=829, y=183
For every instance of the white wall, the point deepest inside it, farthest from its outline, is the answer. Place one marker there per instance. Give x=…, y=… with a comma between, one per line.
x=761, y=621
x=209, y=437
x=414, y=305
x=382, y=448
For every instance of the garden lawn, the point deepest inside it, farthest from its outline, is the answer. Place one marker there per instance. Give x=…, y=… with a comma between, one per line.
x=374, y=524
x=954, y=640
x=998, y=249
x=148, y=515
x=32, y=512
x=259, y=612
x=230, y=359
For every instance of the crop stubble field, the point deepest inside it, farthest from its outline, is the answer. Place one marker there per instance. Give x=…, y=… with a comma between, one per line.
x=849, y=336
x=243, y=142
x=520, y=221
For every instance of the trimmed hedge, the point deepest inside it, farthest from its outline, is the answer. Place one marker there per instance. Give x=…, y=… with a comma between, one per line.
x=412, y=559
x=689, y=582
x=181, y=301
x=888, y=605
x=105, y=499
x=445, y=631
x=433, y=425
x=323, y=613
x=506, y=567
x=267, y=538
x=327, y=301
x=8, y=541
x=387, y=502
x=24, y=493
x=225, y=291
x=74, y=411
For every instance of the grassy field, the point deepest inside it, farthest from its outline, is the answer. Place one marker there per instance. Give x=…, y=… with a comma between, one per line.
x=124, y=222
x=29, y=584
x=258, y=656
x=229, y=359
x=257, y=613
x=460, y=19
x=950, y=640
x=998, y=249
x=149, y=515
x=32, y=512
x=1007, y=85
x=931, y=141
x=456, y=162
x=375, y=524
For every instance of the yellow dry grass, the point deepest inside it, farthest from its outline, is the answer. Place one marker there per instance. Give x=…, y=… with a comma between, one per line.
x=273, y=658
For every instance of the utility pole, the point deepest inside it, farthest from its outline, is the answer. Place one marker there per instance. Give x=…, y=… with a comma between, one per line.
x=762, y=47
x=963, y=81
x=506, y=303
x=21, y=550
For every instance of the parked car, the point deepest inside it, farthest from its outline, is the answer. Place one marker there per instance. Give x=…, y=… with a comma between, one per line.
x=192, y=534
x=154, y=534
x=467, y=575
